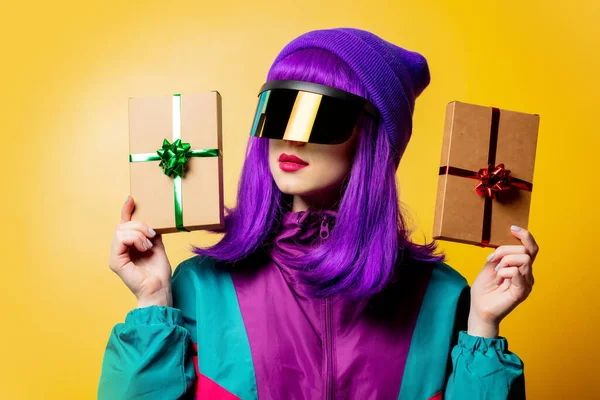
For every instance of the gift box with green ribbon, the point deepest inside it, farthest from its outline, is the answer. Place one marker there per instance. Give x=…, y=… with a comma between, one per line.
x=485, y=175
x=175, y=161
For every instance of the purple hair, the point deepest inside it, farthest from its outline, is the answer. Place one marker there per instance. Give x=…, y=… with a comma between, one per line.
x=369, y=239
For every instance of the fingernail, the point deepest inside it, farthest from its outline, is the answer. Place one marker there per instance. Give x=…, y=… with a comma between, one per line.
x=152, y=232
x=144, y=244
x=490, y=256
x=497, y=267
x=515, y=228
x=126, y=200
x=149, y=242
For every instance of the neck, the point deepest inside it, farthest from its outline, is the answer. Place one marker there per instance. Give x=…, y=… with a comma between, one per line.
x=319, y=201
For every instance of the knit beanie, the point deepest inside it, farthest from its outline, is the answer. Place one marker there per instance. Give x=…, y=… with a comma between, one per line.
x=392, y=76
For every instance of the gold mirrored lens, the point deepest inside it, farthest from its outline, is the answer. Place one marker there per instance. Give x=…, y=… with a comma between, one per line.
x=302, y=117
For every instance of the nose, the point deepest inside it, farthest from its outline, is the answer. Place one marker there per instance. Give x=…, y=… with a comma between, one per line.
x=294, y=142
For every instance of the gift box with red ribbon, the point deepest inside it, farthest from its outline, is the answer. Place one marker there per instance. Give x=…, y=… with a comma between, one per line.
x=485, y=175
x=175, y=161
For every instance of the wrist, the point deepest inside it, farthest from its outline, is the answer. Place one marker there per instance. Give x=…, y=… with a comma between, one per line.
x=479, y=327
x=161, y=298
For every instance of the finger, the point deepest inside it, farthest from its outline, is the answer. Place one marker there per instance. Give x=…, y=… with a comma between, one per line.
x=515, y=260
x=134, y=238
x=138, y=226
x=521, y=261
x=127, y=209
x=506, y=250
x=516, y=280
x=511, y=273
x=527, y=239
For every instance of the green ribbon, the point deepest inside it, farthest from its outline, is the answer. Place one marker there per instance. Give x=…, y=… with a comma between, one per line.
x=173, y=158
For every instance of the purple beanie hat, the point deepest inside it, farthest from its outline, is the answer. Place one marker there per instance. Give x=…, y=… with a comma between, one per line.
x=393, y=76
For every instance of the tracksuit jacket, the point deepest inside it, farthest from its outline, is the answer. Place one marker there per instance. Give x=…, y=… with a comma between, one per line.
x=256, y=333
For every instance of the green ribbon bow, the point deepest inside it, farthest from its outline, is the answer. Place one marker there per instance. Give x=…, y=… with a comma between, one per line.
x=173, y=158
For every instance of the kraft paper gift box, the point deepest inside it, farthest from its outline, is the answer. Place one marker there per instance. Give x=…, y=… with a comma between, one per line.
x=176, y=164
x=486, y=174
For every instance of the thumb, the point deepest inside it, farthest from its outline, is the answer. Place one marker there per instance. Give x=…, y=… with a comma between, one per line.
x=127, y=210
x=157, y=241
x=489, y=269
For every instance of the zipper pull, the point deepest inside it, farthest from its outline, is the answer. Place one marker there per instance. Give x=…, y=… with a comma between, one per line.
x=324, y=233
x=300, y=214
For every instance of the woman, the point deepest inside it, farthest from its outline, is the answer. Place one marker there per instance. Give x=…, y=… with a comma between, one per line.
x=315, y=290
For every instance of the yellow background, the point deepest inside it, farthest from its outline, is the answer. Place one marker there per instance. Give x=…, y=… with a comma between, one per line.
x=68, y=69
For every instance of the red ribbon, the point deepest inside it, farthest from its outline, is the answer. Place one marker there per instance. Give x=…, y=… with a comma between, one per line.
x=492, y=180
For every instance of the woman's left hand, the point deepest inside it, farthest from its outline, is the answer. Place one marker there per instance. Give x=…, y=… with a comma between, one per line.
x=505, y=282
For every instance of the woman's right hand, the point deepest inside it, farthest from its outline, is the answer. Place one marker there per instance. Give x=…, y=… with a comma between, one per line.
x=142, y=264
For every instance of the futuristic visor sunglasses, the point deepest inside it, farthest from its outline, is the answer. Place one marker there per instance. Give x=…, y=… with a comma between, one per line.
x=307, y=112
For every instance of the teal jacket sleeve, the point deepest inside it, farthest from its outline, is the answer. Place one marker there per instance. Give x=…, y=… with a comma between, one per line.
x=483, y=368
x=148, y=356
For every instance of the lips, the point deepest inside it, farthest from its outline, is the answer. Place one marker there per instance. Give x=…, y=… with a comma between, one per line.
x=291, y=163
x=291, y=159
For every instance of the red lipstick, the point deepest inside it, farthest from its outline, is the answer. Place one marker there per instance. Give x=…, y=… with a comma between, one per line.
x=290, y=162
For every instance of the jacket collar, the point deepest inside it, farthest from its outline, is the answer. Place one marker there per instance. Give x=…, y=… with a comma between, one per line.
x=299, y=233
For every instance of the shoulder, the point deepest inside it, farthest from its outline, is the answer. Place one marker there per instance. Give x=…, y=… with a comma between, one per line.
x=198, y=276
x=447, y=291
x=440, y=288
x=448, y=296
x=197, y=268
x=444, y=275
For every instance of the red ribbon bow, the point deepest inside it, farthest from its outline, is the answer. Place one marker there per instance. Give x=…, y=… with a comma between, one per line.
x=493, y=180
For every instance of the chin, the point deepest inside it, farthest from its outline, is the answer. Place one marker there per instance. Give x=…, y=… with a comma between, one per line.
x=291, y=189
x=304, y=185
x=301, y=190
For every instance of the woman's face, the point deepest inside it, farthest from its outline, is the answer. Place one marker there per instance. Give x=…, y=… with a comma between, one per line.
x=315, y=172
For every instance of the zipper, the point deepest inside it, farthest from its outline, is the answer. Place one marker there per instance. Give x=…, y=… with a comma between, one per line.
x=329, y=385
x=324, y=231
x=330, y=389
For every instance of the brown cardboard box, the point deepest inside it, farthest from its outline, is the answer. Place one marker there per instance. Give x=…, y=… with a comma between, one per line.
x=475, y=137
x=153, y=119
